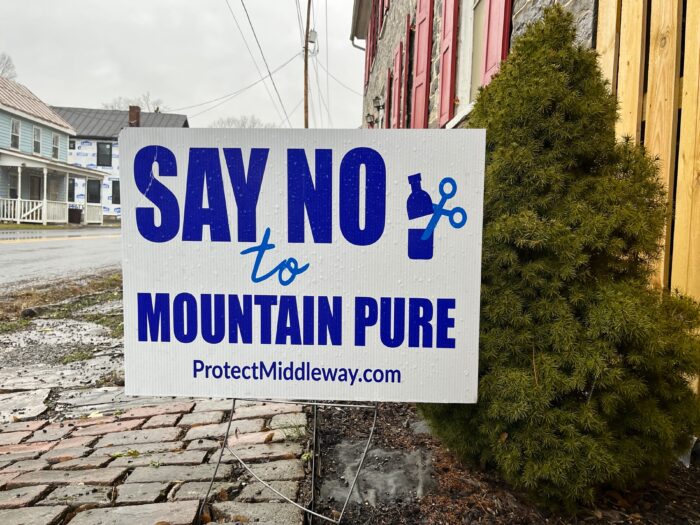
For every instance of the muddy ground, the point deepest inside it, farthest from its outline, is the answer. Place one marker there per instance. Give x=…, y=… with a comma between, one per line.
x=449, y=492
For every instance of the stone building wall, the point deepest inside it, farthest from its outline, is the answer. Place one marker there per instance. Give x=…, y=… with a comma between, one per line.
x=527, y=11
x=394, y=31
x=523, y=13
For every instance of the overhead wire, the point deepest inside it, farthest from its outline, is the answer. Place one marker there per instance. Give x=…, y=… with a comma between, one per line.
x=328, y=52
x=272, y=80
x=294, y=109
x=320, y=94
x=351, y=90
x=255, y=62
x=233, y=94
x=300, y=23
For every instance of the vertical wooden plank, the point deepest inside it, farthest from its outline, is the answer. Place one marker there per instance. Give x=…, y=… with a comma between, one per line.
x=608, y=39
x=685, y=269
x=630, y=74
x=662, y=104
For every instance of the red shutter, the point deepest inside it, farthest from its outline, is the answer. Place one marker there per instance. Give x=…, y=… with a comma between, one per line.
x=404, y=83
x=370, y=43
x=497, y=37
x=448, y=60
x=387, y=100
x=421, y=64
x=396, y=87
x=380, y=15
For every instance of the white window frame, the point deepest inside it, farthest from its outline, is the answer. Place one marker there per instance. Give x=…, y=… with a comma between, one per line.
x=463, y=78
x=14, y=121
x=55, y=145
x=34, y=141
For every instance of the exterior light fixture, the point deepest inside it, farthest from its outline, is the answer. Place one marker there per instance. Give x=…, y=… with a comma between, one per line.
x=378, y=103
x=369, y=118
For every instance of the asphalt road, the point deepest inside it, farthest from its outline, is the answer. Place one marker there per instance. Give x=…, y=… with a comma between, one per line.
x=44, y=255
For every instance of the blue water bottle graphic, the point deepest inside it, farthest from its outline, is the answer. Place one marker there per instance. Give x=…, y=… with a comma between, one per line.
x=419, y=204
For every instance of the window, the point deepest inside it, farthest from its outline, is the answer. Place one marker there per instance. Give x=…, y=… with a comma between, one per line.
x=104, y=154
x=14, y=136
x=116, y=193
x=93, y=191
x=37, y=140
x=71, y=144
x=71, y=190
x=13, y=186
x=54, y=146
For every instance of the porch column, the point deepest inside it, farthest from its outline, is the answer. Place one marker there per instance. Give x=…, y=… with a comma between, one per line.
x=66, y=189
x=19, y=193
x=43, y=208
x=85, y=203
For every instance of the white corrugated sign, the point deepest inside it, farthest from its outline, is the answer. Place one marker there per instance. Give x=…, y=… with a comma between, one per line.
x=315, y=264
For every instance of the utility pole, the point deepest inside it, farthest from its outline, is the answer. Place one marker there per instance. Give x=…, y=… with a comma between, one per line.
x=306, y=65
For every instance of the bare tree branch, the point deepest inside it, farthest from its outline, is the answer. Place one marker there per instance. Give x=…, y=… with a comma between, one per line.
x=7, y=67
x=244, y=121
x=144, y=101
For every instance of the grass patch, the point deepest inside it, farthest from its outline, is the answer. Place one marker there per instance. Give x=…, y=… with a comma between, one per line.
x=95, y=288
x=114, y=322
x=13, y=326
x=78, y=355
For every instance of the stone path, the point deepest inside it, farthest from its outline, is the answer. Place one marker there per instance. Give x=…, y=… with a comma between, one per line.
x=150, y=462
x=75, y=451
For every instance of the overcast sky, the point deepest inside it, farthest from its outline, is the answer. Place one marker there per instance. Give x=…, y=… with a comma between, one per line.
x=86, y=52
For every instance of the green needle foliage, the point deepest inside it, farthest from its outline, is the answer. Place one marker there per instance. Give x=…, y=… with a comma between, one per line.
x=584, y=369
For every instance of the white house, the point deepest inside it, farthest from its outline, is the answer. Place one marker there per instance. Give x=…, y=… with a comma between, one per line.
x=34, y=172
x=95, y=146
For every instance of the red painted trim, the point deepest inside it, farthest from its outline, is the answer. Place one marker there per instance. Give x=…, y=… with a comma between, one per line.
x=448, y=61
x=404, y=83
x=422, y=64
x=396, y=87
x=387, y=100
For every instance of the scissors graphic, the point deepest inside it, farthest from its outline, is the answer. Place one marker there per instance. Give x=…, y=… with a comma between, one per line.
x=457, y=216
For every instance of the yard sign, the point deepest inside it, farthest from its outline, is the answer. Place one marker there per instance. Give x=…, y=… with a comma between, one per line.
x=302, y=264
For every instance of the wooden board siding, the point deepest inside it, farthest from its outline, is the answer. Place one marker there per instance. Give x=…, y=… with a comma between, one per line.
x=662, y=104
x=608, y=39
x=26, y=137
x=631, y=67
x=685, y=274
x=668, y=96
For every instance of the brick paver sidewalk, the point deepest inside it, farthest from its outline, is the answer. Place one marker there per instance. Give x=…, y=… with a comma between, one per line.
x=151, y=465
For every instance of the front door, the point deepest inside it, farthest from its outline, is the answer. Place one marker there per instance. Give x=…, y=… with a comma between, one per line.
x=35, y=188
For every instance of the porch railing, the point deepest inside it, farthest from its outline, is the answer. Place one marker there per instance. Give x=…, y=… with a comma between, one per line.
x=56, y=211
x=93, y=213
x=31, y=211
x=8, y=209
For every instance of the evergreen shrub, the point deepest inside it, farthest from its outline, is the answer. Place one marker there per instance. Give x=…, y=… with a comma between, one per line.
x=585, y=370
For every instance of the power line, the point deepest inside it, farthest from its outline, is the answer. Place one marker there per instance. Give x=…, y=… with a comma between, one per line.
x=328, y=52
x=313, y=109
x=300, y=23
x=255, y=62
x=250, y=22
x=341, y=82
x=229, y=96
x=294, y=109
x=320, y=95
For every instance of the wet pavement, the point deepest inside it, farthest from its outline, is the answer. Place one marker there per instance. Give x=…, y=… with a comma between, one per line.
x=44, y=255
